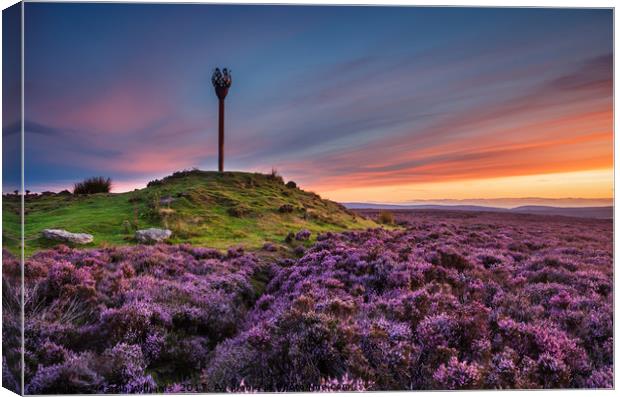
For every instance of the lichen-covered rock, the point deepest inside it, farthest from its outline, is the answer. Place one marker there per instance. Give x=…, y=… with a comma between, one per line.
x=166, y=200
x=67, y=237
x=153, y=235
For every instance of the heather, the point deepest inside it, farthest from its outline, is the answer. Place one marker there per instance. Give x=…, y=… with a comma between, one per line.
x=124, y=320
x=449, y=301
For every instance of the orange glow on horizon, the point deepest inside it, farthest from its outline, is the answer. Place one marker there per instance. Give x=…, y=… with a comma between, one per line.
x=593, y=184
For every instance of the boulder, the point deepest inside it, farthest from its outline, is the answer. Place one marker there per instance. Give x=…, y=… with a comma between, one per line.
x=67, y=237
x=166, y=200
x=153, y=235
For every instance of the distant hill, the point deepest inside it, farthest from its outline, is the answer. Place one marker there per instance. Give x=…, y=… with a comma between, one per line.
x=579, y=212
x=422, y=207
x=512, y=202
x=205, y=208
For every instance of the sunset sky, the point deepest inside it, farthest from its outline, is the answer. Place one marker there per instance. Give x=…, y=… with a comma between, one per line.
x=355, y=103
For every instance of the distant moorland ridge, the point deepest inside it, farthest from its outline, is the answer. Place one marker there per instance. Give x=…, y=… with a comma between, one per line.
x=606, y=212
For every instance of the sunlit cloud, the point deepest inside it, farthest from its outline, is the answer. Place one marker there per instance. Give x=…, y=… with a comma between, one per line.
x=594, y=184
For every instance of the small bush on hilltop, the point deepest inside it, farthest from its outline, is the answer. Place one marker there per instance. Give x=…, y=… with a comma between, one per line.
x=274, y=175
x=93, y=185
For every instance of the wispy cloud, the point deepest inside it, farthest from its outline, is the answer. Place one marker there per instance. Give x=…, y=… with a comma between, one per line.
x=333, y=102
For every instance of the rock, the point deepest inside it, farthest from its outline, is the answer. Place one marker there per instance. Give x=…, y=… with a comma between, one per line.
x=153, y=235
x=167, y=200
x=65, y=236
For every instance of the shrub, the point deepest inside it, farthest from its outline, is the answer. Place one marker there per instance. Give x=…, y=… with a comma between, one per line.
x=93, y=185
x=303, y=235
x=275, y=176
x=289, y=237
x=155, y=182
x=346, y=383
x=269, y=247
x=127, y=227
x=386, y=217
x=76, y=375
x=456, y=375
x=450, y=259
x=291, y=184
x=239, y=210
x=286, y=208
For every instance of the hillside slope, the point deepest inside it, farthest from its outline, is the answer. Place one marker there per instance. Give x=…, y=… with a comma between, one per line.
x=200, y=207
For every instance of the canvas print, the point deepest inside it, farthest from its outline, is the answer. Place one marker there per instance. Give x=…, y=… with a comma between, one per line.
x=206, y=198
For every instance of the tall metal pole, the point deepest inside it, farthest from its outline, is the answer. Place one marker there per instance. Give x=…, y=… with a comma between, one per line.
x=222, y=82
x=220, y=163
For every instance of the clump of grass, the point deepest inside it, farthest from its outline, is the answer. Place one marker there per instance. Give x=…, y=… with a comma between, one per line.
x=286, y=208
x=386, y=217
x=127, y=227
x=289, y=237
x=239, y=210
x=274, y=175
x=164, y=212
x=181, y=228
x=97, y=184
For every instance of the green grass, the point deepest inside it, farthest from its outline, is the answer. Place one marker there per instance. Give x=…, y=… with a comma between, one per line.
x=209, y=209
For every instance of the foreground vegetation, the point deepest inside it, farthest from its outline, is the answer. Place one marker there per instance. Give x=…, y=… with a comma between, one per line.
x=203, y=208
x=455, y=301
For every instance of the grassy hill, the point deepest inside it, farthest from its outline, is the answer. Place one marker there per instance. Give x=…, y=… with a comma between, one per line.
x=200, y=207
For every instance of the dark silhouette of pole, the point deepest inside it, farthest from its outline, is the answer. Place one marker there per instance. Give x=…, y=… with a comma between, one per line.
x=222, y=81
x=220, y=151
